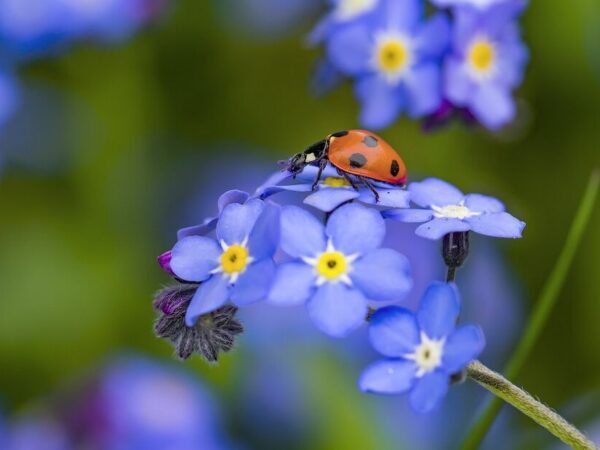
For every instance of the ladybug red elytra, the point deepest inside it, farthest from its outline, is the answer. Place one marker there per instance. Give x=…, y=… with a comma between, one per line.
x=355, y=152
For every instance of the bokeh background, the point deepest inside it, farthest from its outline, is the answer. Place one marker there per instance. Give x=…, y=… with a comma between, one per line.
x=115, y=145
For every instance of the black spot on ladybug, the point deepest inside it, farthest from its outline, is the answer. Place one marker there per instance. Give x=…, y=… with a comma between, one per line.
x=394, y=168
x=370, y=141
x=357, y=160
x=339, y=134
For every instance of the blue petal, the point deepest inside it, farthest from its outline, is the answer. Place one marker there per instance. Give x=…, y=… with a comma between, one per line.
x=433, y=191
x=383, y=274
x=493, y=106
x=310, y=173
x=388, y=198
x=429, y=391
x=206, y=227
x=237, y=220
x=233, y=196
x=293, y=284
x=264, y=237
x=439, y=310
x=302, y=235
x=273, y=180
x=437, y=228
x=434, y=37
x=501, y=225
x=458, y=86
x=354, y=229
x=402, y=16
x=253, y=285
x=409, y=215
x=271, y=190
x=337, y=310
x=483, y=203
x=194, y=257
x=424, y=90
x=388, y=376
x=394, y=332
x=381, y=103
x=328, y=198
x=349, y=49
x=210, y=295
x=463, y=346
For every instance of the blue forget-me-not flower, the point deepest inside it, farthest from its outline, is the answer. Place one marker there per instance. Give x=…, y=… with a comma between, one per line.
x=422, y=350
x=338, y=267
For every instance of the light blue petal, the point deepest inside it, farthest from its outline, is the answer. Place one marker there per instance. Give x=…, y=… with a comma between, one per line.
x=237, y=220
x=206, y=227
x=409, y=215
x=437, y=228
x=254, y=284
x=211, y=295
x=349, y=49
x=501, y=225
x=233, y=196
x=388, y=376
x=273, y=180
x=493, y=106
x=302, y=235
x=337, y=310
x=264, y=237
x=394, y=332
x=382, y=274
x=403, y=16
x=354, y=229
x=433, y=191
x=194, y=257
x=272, y=190
x=439, y=310
x=293, y=284
x=429, y=391
x=483, y=203
x=327, y=199
x=309, y=174
x=424, y=90
x=463, y=346
x=388, y=198
x=381, y=103
x=434, y=37
x=458, y=86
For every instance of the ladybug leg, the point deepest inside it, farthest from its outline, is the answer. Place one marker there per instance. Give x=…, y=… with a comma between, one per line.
x=348, y=179
x=322, y=165
x=368, y=184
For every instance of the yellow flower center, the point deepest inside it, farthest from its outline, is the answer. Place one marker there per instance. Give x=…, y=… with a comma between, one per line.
x=481, y=55
x=336, y=182
x=234, y=259
x=332, y=265
x=393, y=56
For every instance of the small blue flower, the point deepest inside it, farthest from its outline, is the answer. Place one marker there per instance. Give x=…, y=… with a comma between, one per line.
x=487, y=62
x=237, y=266
x=422, y=350
x=395, y=59
x=343, y=13
x=333, y=190
x=338, y=267
x=448, y=210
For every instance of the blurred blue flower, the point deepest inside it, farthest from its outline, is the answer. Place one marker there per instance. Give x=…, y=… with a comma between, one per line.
x=338, y=267
x=395, y=59
x=343, y=13
x=479, y=4
x=449, y=210
x=237, y=266
x=35, y=431
x=9, y=96
x=487, y=62
x=423, y=350
x=333, y=190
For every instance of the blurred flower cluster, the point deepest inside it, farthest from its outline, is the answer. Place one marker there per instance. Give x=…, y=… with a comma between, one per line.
x=336, y=264
x=464, y=59
x=32, y=29
x=131, y=403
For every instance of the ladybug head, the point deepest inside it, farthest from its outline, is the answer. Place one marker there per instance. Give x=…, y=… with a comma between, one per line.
x=296, y=163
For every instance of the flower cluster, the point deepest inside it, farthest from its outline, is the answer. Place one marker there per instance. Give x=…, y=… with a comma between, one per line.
x=332, y=259
x=467, y=57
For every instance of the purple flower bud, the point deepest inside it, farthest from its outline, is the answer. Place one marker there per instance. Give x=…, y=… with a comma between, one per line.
x=165, y=262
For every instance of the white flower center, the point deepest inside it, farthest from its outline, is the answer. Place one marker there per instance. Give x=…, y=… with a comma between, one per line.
x=427, y=355
x=459, y=211
x=392, y=55
x=332, y=266
x=349, y=9
x=481, y=58
x=234, y=260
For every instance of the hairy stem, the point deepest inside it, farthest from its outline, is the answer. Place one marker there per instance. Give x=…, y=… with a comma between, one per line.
x=542, y=309
x=528, y=405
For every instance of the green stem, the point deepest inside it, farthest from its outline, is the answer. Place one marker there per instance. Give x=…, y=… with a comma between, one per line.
x=529, y=406
x=542, y=309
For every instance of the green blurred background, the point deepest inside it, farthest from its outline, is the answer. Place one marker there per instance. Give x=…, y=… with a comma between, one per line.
x=96, y=187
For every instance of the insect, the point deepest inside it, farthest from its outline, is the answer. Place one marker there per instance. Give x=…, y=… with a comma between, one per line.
x=357, y=153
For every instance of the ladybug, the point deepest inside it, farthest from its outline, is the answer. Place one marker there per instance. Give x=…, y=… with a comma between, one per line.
x=359, y=153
